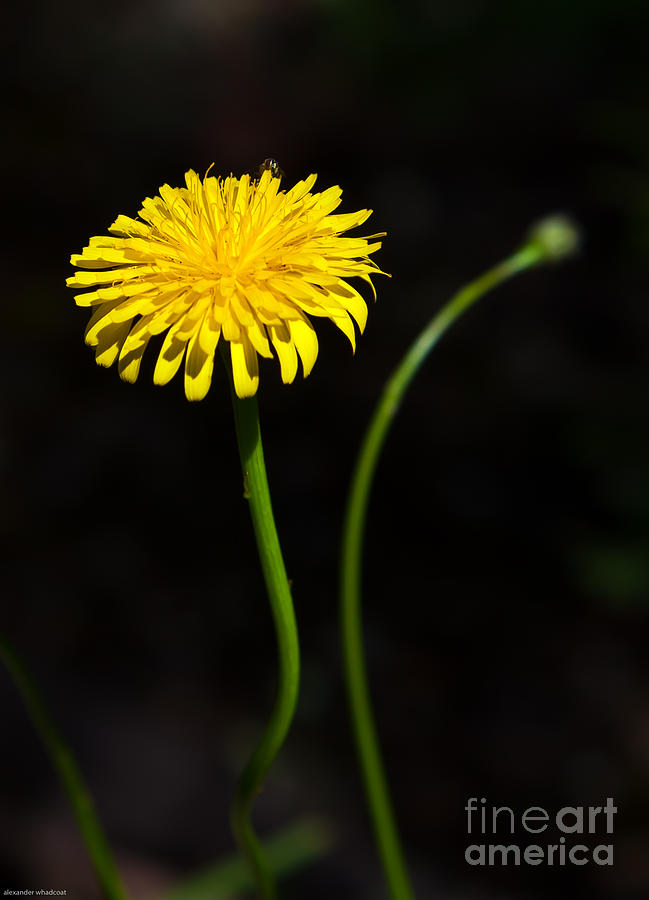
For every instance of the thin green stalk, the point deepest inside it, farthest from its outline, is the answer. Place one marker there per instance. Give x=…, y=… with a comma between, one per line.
x=69, y=774
x=552, y=239
x=246, y=415
x=294, y=848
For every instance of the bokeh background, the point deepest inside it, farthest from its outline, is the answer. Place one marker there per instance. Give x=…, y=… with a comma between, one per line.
x=507, y=567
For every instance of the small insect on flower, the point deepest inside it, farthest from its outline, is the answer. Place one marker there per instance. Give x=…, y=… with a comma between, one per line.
x=270, y=165
x=233, y=259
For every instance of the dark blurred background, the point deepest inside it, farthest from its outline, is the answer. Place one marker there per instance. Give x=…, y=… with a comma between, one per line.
x=507, y=566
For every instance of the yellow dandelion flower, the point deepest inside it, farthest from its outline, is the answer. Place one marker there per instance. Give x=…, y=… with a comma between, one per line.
x=231, y=258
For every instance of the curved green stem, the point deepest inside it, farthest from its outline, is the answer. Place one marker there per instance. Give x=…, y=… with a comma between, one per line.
x=551, y=240
x=246, y=417
x=68, y=773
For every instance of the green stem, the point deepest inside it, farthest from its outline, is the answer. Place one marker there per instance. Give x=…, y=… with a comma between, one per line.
x=552, y=239
x=246, y=417
x=294, y=848
x=69, y=774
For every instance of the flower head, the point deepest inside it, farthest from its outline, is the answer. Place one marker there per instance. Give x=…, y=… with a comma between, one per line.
x=235, y=259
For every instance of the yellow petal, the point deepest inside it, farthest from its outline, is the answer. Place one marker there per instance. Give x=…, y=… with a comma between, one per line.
x=94, y=257
x=306, y=341
x=256, y=333
x=231, y=330
x=97, y=321
x=127, y=226
x=131, y=354
x=199, y=364
x=121, y=291
x=131, y=307
x=352, y=301
x=245, y=367
x=170, y=356
x=346, y=325
x=344, y=222
x=90, y=279
x=250, y=324
x=161, y=319
x=330, y=199
x=286, y=353
x=109, y=343
x=242, y=309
